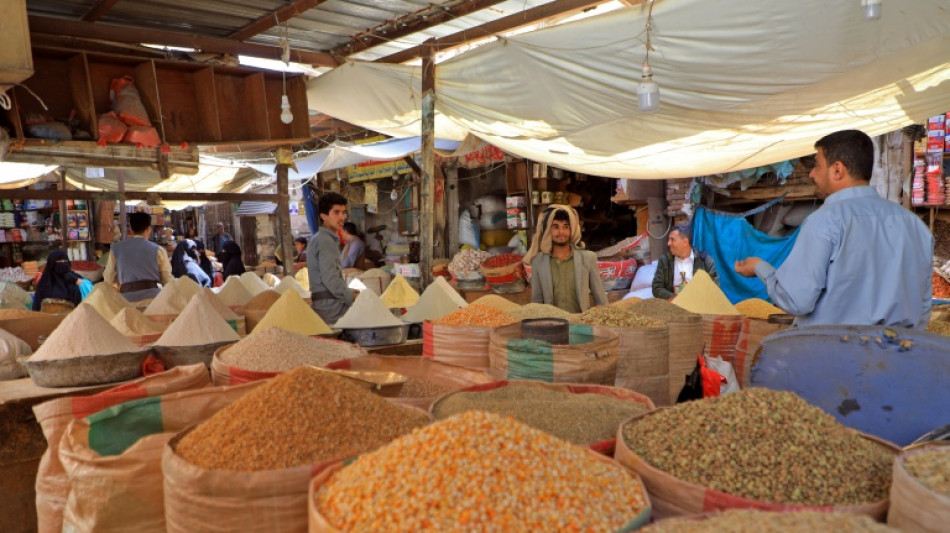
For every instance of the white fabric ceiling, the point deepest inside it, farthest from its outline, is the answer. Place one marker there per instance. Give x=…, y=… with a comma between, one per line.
x=743, y=83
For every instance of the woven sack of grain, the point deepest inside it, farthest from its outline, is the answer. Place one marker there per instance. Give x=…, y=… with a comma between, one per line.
x=225, y=374
x=605, y=447
x=465, y=346
x=54, y=415
x=199, y=500
x=113, y=458
x=591, y=356
x=914, y=506
x=319, y=524
x=686, y=343
x=672, y=496
x=643, y=362
x=750, y=338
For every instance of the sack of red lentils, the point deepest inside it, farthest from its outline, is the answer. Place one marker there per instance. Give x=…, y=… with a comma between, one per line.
x=591, y=356
x=113, y=458
x=54, y=415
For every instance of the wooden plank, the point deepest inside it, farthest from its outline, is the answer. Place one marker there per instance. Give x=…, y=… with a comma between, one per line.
x=48, y=194
x=254, y=108
x=502, y=25
x=81, y=86
x=206, y=104
x=137, y=35
x=100, y=8
x=273, y=18
x=792, y=192
x=146, y=81
x=409, y=24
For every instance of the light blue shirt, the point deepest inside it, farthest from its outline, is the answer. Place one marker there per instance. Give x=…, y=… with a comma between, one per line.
x=858, y=260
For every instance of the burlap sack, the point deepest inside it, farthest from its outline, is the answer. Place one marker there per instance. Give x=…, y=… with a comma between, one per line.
x=591, y=357
x=224, y=374
x=319, y=524
x=571, y=388
x=465, y=346
x=915, y=507
x=54, y=415
x=198, y=500
x=643, y=364
x=674, y=497
x=750, y=338
x=113, y=458
x=686, y=343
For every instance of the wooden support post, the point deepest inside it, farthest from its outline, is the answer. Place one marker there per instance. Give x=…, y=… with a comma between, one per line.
x=659, y=226
x=452, y=208
x=123, y=219
x=427, y=196
x=63, y=214
x=284, y=237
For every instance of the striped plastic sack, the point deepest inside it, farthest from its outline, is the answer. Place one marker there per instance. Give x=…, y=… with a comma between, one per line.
x=590, y=357
x=54, y=415
x=113, y=458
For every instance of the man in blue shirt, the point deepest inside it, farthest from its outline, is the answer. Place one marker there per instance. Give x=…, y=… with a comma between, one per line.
x=330, y=297
x=859, y=259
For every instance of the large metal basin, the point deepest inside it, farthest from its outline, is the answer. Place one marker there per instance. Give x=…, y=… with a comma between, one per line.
x=892, y=383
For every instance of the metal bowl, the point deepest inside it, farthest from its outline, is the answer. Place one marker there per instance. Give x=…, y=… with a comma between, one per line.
x=86, y=370
x=377, y=336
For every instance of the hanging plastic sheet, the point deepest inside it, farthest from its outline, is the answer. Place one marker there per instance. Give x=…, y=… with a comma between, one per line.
x=729, y=238
x=310, y=208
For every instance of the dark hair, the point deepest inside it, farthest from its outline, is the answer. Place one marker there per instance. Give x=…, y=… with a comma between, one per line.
x=562, y=216
x=351, y=228
x=139, y=222
x=853, y=149
x=301, y=240
x=328, y=200
x=684, y=230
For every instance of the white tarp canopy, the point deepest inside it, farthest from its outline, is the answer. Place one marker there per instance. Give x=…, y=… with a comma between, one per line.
x=342, y=155
x=743, y=83
x=18, y=175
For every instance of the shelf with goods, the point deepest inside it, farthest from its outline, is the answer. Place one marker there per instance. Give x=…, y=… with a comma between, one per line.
x=930, y=187
x=29, y=228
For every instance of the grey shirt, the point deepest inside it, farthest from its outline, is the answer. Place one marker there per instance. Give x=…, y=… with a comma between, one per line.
x=323, y=266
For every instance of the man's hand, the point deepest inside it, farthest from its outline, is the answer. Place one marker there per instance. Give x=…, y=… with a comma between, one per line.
x=746, y=267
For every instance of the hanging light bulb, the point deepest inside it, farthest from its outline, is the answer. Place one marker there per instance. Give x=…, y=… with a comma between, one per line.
x=648, y=92
x=872, y=8
x=395, y=176
x=393, y=195
x=285, y=115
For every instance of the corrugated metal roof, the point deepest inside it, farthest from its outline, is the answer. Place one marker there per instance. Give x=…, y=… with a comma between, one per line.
x=248, y=209
x=330, y=24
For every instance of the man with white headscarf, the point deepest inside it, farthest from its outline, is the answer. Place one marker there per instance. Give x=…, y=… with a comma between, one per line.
x=563, y=274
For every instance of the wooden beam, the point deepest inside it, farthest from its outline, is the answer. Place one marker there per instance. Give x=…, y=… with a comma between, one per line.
x=284, y=237
x=53, y=194
x=502, y=25
x=128, y=34
x=414, y=22
x=759, y=194
x=273, y=18
x=427, y=159
x=99, y=9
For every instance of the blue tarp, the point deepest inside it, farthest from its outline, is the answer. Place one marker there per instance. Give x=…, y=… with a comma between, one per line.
x=310, y=208
x=729, y=238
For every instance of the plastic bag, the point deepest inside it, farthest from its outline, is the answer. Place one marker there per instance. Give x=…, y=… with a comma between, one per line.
x=127, y=103
x=701, y=383
x=730, y=383
x=85, y=287
x=111, y=129
x=146, y=136
x=11, y=348
x=468, y=230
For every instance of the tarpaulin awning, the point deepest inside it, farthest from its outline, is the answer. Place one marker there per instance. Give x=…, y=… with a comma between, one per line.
x=743, y=83
x=18, y=175
x=342, y=155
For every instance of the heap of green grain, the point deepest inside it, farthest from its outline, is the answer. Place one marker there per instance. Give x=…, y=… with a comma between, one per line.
x=764, y=445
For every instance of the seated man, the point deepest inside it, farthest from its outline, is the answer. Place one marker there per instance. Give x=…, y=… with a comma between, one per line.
x=676, y=268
